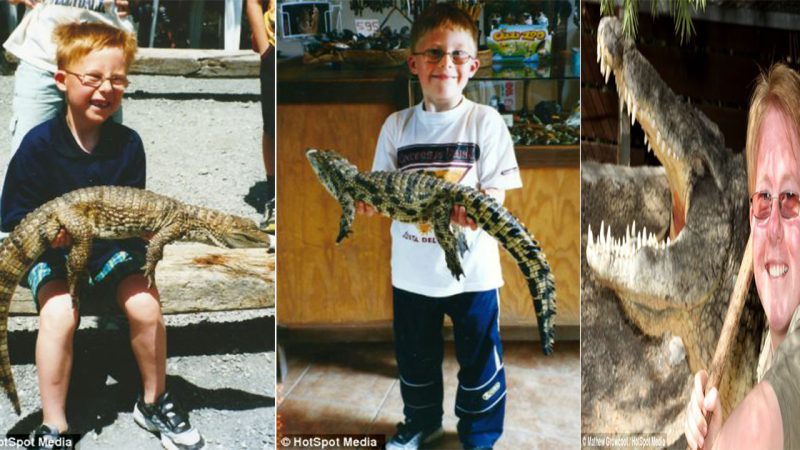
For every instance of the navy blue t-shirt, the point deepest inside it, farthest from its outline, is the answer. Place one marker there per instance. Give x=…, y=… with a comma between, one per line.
x=50, y=163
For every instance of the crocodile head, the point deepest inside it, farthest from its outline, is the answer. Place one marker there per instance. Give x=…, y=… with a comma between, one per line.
x=656, y=298
x=681, y=263
x=214, y=227
x=332, y=169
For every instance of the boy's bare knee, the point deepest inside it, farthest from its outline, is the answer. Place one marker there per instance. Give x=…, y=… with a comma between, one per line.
x=140, y=303
x=56, y=314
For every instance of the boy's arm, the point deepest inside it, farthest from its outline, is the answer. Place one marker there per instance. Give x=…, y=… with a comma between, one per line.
x=24, y=188
x=497, y=167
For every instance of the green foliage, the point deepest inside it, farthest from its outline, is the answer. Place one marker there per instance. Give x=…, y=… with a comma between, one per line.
x=679, y=9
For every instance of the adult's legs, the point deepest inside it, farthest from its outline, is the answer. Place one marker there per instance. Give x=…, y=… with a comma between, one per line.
x=267, y=75
x=36, y=100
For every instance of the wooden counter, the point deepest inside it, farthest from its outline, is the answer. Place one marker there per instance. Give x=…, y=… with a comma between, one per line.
x=300, y=83
x=341, y=292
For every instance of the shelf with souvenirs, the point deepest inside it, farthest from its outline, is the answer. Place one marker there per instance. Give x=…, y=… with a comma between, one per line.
x=542, y=114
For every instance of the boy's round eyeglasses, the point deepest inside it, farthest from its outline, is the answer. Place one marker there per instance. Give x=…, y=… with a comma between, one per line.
x=789, y=204
x=434, y=55
x=95, y=81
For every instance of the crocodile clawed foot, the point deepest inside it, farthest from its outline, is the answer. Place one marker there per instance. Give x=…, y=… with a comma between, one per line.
x=457, y=271
x=151, y=278
x=76, y=301
x=74, y=293
x=342, y=236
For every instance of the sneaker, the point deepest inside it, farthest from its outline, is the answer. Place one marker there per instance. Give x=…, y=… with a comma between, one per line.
x=171, y=422
x=268, y=225
x=47, y=437
x=410, y=436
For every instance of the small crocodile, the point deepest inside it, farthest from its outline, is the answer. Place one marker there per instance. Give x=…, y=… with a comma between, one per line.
x=418, y=197
x=108, y=212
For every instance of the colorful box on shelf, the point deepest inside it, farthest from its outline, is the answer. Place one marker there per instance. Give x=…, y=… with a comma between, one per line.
x=519, y=42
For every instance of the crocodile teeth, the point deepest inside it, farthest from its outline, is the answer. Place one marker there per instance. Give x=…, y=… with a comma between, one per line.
x=600, y=236
x=599, y=55
x=633, y=114
x=608, y=73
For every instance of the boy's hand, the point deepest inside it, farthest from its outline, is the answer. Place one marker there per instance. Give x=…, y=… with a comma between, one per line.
x=459, y=217
x=122, y=7
x=365, y=209
x=28, y=3
x=63, y=239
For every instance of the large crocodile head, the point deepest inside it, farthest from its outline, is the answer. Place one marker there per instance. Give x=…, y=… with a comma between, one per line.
x=681, y=264
x=675, y=275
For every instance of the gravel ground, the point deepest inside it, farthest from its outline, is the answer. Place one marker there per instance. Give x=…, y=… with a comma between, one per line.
x=202, y=138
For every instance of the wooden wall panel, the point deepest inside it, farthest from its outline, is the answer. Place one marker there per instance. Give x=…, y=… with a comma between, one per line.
x=549, y=205
x=321, y=284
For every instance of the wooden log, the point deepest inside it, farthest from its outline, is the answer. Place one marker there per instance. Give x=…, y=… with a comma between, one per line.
x=190, y=62
x=195, y=278
x=196, y=62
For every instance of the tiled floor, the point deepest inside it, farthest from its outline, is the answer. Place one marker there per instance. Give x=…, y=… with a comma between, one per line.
x=353, y=389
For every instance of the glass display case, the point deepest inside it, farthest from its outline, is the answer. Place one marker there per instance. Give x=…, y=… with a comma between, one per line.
x=540, y=103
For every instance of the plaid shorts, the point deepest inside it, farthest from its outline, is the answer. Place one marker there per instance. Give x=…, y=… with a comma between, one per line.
x=116, y=268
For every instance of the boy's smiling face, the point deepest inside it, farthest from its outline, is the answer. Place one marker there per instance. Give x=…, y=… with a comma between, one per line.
x=91, y=106
x=443, y=82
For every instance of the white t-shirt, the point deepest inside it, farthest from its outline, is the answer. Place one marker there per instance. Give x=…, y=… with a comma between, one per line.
x=32, y=39
x=469, y=145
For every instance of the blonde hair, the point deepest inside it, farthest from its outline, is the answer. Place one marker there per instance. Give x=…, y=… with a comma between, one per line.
x=443, y=15
x=77, y=39
x=779, y=87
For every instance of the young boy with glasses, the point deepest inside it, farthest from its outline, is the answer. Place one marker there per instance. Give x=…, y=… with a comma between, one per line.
x=79, y=148
x=468, y=143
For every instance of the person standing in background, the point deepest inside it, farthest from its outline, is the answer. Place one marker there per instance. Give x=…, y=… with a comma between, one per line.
x=261, y=16
x=36, y=97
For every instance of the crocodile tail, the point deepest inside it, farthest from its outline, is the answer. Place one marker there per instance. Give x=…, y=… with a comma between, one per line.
x=12, y=267
x=512, y=235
